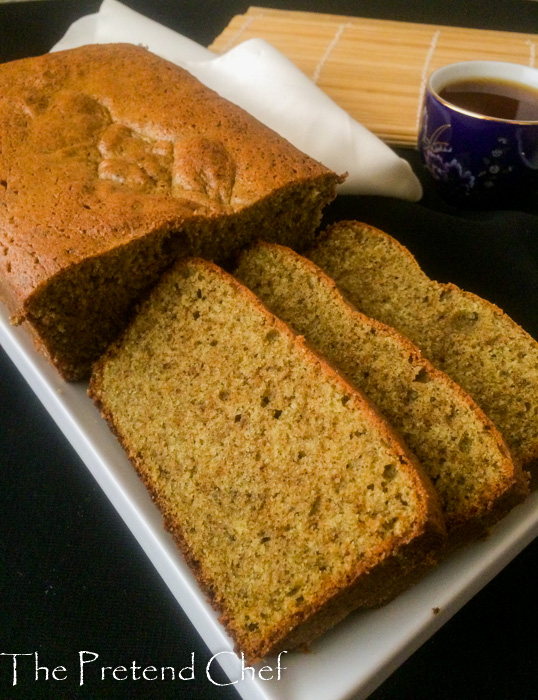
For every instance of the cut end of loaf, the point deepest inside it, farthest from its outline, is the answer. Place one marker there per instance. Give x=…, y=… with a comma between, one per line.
x=114, y=163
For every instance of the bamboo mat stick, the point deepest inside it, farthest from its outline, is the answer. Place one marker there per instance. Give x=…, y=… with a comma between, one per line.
x=375, y=69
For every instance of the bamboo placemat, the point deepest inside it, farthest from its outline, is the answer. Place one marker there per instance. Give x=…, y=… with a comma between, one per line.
x=374, y=69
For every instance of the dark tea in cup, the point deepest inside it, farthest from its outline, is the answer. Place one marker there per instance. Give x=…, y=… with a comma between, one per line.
x=494, y=97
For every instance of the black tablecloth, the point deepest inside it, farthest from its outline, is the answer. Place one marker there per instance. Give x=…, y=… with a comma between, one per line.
x=72, y=577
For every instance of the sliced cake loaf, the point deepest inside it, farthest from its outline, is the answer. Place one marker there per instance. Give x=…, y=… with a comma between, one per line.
x=470, y=339
x=461, y=450
x=114, y=162
x=286, y=491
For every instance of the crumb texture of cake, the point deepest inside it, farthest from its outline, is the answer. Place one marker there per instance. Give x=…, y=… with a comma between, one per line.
x=283, y=487
x=472, y=340
x=460, y=448
x=111, y=158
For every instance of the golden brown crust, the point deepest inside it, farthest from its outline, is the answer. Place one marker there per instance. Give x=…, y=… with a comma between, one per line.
x=117, y=150
x=109, y=145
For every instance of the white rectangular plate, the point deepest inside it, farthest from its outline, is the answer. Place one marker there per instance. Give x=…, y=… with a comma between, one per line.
x=352, y=659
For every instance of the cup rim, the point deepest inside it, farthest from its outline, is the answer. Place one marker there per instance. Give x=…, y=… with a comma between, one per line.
x=490, y=69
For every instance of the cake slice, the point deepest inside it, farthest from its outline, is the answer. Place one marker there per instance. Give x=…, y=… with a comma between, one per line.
x=461, y=450
x=114, y=162
x=472, y=340
x=288, y=494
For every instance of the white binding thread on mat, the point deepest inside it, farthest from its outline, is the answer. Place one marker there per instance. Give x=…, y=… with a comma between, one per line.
x=424, y=75
x=234, y=39
x=532, y=53
x=341, y=29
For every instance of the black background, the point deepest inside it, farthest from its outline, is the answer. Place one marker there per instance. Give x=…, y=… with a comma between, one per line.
x=72, y=577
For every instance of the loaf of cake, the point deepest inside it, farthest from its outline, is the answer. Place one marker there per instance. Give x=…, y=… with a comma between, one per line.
x=113, y=162
x=472, y=340
x=460, y=448
x=287, y=493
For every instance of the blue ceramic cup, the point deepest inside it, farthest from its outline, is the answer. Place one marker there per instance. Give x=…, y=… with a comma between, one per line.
x=475, y=159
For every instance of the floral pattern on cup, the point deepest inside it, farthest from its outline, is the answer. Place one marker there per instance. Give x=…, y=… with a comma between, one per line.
x=439, y=159
x=476, y=159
